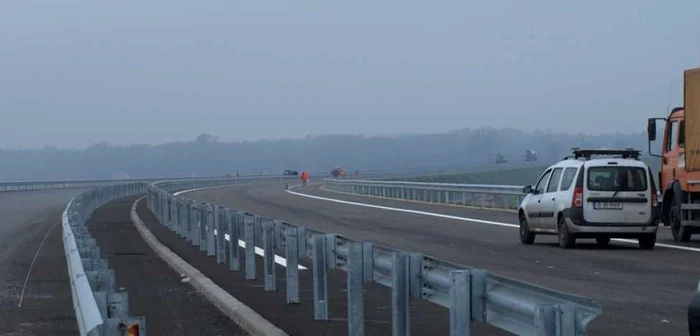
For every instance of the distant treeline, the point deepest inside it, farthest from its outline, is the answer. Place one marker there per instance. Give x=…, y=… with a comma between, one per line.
x=206, y=156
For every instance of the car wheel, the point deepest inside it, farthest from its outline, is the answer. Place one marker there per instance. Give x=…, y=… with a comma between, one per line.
x=647, y=242
x=602, y=241
x=566, y=239
x=526, y=236
x=680, y=233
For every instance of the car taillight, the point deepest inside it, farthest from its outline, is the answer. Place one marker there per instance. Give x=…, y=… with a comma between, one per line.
x=577, y=200
x=654, y=198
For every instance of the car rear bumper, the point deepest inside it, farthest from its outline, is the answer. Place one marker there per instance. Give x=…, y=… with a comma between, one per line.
x=577, y=224
x=618, y=230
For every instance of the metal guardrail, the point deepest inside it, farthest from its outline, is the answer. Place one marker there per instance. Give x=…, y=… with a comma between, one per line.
x=476, y=195
x=87, y=184
x=410, y=173
x=99, y=308
x=471, y=295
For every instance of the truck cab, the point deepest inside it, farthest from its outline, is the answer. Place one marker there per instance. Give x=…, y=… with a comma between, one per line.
x=679, y=177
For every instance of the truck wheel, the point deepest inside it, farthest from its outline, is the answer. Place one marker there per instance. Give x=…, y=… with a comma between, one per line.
x=526, y=236
x=566, y=239
x=680, y=233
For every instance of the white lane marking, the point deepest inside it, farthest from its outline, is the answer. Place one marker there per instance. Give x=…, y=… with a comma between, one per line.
x=205, y=188
x=278, y=259
x=417, y=212
x=464, y=219
x=29, y=272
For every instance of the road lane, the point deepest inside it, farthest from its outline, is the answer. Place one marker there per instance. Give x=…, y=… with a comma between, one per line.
x=26, y=218
x=642, y=292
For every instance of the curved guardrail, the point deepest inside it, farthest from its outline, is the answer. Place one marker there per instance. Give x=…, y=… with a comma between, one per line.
x=506, y=197
x=471, y=295
x=99, y=308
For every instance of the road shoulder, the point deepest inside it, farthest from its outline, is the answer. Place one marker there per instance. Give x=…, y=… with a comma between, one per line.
x=156, y=291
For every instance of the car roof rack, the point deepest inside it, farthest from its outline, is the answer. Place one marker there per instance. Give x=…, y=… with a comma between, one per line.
x=626, y=153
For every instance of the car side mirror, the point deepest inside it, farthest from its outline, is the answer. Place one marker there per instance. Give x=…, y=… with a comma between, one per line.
x=651, y=129
x=527, y=189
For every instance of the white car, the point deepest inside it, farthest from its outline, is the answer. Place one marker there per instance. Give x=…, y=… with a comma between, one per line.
x=612, y=196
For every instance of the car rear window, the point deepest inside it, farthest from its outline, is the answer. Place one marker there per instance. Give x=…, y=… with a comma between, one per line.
x=616, y=178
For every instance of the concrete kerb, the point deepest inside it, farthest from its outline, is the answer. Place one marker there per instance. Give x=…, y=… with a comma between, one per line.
x=245, y=317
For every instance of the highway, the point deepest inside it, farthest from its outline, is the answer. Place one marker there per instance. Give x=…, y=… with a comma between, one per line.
x=35, y=293
x=30, y=227
x=641, y=292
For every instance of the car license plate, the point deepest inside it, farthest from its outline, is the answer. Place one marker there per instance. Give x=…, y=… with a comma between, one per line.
x=607, y=205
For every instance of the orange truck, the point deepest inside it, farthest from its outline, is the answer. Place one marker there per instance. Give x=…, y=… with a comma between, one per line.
x=679, y=178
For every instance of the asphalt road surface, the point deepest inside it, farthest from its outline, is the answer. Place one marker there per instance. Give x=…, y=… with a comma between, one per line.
x=641, y=292
x=27, y=219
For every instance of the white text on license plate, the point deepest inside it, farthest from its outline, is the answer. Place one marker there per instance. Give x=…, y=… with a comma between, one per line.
x=607, y=205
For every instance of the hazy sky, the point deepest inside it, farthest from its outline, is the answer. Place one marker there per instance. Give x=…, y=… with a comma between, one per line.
x=76, y=72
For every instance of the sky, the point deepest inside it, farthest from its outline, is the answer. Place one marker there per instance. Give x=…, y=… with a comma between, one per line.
x=73, y=73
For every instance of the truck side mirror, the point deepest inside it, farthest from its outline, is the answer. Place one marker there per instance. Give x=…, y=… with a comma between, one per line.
x=651, y=129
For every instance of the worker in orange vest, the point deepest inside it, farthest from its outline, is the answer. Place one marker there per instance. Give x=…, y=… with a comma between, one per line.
x=304, y=177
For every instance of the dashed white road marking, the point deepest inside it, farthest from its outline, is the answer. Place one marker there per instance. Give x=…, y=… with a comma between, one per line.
x=259, y=251
x=464, y=219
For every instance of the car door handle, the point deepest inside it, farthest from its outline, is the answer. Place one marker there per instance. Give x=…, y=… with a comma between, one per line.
x=552, y=198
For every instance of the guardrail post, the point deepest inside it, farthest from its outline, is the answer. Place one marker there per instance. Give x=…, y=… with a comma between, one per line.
x=211, y=238
x=203, y=226
x=356, y=315
x=179, y=218
x=221, y=238
x=301, y=238
x=184, y=207
x=292, y=253
x=400, y=322
x=555, y=320
x=478, y=295
x=196, y=217
x=460, y=321
x=269, y=257
x=258, y=230
x=331, y=253
x=320, y=278
x=233, y=255
x=118, y=305
x=171, y=213
x=250, y=272
x=188, y=221
x=279, y=237
x=102, y=280
x=94, y=264
x=368, y=262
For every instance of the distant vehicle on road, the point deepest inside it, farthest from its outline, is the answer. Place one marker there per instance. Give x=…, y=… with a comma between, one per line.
x=500, y=158
x=530, y=155
x=679, y=178
x=337, y=172
x=289, y=172
x=611, y=196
